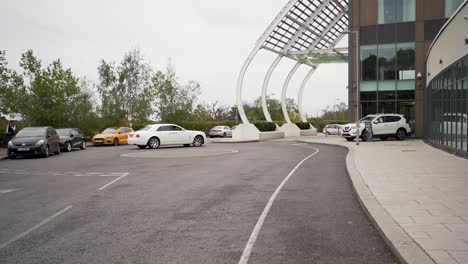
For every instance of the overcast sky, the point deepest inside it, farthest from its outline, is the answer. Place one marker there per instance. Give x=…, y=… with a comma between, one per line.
x=208, y=41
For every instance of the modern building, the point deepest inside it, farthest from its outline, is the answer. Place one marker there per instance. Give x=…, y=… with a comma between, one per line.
x=394, y=39
x=446, y=95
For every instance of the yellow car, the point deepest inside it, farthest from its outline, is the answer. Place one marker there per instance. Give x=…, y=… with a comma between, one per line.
x=112, y=136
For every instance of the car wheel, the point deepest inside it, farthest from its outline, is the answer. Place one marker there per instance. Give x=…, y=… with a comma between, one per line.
x=83, y=145
x=186, y=145
x=224, y=134
x=46, y=152
x=142, y=146
x=153, y=143
x=383, y=138
x=115, y=142
x=364, y=135
x=350, y=139
x=401, y=134
x=198, y=141
x=68, y=147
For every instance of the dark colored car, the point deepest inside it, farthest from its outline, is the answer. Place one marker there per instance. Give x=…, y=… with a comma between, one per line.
x=71, y=138
x=34, y=141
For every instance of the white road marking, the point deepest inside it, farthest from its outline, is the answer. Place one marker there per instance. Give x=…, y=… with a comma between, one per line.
x=253, y=237
x=45, y=221
x=8, y=191
x=107, y=185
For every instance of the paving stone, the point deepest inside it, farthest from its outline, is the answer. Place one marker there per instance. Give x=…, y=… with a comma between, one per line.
x=441, y=257
x=460, y=256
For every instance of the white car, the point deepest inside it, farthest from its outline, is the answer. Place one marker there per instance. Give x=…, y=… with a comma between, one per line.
x=332, y=129
x=383, y=127
x=153, y=136
x=220, y=131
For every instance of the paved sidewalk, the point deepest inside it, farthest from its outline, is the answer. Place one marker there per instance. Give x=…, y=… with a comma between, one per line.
x=424, y=190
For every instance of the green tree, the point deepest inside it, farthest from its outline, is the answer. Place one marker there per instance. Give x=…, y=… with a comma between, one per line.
x=175, y=102
x=126, y=90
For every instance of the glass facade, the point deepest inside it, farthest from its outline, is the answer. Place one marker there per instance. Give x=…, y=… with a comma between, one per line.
x=396, y=11
x=388, y=79
x=451, y=6
x=447, y=108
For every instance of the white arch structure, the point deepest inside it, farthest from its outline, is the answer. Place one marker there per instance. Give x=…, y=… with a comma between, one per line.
x=301, y=29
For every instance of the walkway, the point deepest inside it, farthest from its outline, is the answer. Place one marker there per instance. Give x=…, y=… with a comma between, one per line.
x=424, y=190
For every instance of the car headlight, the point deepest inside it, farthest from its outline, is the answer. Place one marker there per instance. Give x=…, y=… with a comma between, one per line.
x=10, y=144
x=40, y=143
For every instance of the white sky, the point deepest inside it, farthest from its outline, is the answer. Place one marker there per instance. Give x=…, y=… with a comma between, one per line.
x=208, y=41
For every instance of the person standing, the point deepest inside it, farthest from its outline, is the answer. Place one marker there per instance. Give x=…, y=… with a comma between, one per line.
x=10, y=132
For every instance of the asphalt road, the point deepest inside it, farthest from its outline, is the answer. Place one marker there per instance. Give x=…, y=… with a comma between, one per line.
x=96, y=206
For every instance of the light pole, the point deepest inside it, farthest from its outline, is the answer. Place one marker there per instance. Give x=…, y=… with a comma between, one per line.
x=351, y=32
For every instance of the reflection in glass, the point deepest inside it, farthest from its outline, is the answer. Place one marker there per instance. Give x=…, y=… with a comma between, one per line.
x=451, y=6
x=395, y=11
x=368, y=63
x=387, y=62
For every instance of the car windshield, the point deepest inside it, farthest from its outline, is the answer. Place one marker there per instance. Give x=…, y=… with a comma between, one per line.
x=110, y=130
x=64, y=132
x=32, y=132
x=367, y=118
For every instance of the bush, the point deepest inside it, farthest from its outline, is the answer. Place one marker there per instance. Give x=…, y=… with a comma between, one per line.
x=265, y=126
x=303, y=125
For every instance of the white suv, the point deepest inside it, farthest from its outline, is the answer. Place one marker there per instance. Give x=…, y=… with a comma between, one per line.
x=383, y=127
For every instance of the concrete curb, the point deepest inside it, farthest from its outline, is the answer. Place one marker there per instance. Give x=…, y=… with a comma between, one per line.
x=402, y=245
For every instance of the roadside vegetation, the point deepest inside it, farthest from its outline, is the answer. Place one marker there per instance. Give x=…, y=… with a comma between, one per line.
x=129, y=91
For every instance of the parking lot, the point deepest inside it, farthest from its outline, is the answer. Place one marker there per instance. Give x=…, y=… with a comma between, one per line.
x=185, y=205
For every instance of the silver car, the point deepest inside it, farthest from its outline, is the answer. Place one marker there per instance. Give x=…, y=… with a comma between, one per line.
x=332, y=129
x=220, y=131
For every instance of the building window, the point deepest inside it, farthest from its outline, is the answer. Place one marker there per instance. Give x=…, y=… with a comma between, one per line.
x=451, y=6
x=396, y=11
x=387, y=59
x=369, y=63
x=448, y=120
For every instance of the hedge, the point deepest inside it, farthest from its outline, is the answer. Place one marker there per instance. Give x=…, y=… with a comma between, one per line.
x=265, y=126
x=303, y=125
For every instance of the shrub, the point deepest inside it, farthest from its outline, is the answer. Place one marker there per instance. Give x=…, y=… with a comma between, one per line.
x=265, y=126
x=303, y=125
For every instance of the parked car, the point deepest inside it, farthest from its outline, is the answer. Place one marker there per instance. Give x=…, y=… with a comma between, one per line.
x=71, y=138
x=112, y=136
x=332, y=129
x=383, y=127
x=234, y=127
x=220, y=131
x=34, y=141
x=153, y=136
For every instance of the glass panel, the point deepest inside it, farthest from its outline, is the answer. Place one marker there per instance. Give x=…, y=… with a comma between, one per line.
x=386, y=107
x=368, y=86
x=387, y=86
x=405, y=61
x=405, y=95
x=451, y=6
x=406, y=85
x=368, y=108
x=395, y=11
x=405, y=10
x=387, y=62
x=407, y=109
x=368, y=96
x=386, y=95
x=368, y=63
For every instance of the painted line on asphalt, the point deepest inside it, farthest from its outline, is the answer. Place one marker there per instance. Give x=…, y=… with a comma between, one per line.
x=8, y=191
x=253, y=237
x=113, y=181
x=45, y=221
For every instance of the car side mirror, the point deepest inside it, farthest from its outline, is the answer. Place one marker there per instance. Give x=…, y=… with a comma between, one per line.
x=375, y=122
x=48, y=136
x=119, y=132
x=71, y=135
